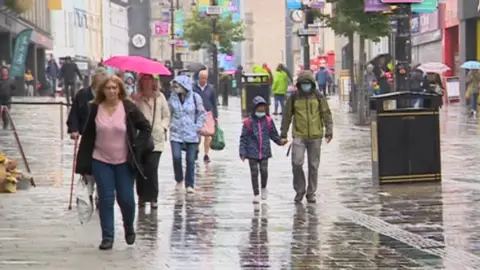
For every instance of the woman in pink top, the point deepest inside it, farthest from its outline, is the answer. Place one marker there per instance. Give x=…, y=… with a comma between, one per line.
x=115, y=136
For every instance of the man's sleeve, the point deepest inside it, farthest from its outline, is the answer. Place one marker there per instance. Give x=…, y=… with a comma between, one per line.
x=326, y=115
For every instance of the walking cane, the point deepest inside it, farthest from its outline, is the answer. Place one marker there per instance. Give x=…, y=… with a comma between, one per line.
x=289, y=149
x=73, y=173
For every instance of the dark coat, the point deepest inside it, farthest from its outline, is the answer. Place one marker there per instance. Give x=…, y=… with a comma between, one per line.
x=138, y=142
x=256, y=135
x=208, y=97
x=77, y=118
x=68, y=72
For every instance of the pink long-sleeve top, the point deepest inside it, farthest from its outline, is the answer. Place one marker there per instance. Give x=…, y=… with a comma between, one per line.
x=111, y=139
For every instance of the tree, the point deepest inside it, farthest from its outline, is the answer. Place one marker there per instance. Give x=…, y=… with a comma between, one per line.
x=349, y=19
x=202, y=31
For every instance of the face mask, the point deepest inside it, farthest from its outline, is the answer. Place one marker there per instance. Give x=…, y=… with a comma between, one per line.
x=260, y=114
x=178, y=90
x=306, y=87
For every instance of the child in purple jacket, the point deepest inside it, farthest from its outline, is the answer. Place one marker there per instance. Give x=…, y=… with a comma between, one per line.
x=257, y=131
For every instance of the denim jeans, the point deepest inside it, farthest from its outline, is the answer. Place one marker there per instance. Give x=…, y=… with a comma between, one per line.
x=279, y=99
x=191, y=149
x=473, y=101
x=114, y=179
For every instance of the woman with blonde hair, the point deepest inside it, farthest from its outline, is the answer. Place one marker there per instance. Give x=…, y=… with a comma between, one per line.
x=115, y=136
x=154, y=106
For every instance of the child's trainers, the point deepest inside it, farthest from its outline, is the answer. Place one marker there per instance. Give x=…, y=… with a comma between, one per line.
x=256, y=199
x=264, y=193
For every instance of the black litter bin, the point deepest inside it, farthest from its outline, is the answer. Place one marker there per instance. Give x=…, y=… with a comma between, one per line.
x=405, y=137
x=254, y=85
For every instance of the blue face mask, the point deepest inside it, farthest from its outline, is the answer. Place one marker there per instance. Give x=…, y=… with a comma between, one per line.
x=260, y=114
x=306, y=87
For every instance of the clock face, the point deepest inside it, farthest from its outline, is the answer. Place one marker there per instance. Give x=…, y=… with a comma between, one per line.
x=139, y=41
x=297, y=15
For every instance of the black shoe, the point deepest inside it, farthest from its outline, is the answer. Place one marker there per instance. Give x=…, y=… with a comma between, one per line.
x=298, y=198
x=311, y=199
x=275, y=113
x=130, y=236
x=153, y=205
x=141, y=203
x=206, y=159
x=196, y=155
x=106, y=244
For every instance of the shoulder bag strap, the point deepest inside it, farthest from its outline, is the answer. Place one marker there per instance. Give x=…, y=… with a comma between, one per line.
x=154, y=111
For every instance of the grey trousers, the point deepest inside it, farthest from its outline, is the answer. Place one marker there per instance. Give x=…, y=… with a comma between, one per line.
x=313, y=148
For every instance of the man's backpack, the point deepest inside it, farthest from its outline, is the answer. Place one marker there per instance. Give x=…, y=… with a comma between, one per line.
x=248, y=123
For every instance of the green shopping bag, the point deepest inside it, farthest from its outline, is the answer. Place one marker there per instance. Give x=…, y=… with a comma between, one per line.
x=218, y=140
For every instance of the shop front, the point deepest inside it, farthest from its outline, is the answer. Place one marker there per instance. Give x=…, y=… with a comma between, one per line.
x=426, y=38
x=450, y=41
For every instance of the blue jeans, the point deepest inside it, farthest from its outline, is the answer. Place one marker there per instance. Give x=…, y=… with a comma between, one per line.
x=191, y=149
x=473, y=101
x=114, y=179
x=279, y=99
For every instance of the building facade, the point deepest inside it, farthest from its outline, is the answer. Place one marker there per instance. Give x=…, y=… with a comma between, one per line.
x=63, y=30
x=426, y=37
x=93, y=30
x=36, y=18
x=115, y=38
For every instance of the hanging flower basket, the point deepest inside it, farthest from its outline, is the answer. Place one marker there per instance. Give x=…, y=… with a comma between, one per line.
x=19, y=6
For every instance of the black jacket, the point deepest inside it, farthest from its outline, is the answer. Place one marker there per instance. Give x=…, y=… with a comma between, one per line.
x=68, y=72
x=7, y=87
x=77, y=118
x=138, y=142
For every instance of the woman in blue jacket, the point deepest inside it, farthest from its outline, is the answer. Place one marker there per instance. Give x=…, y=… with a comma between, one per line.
x=187, y=116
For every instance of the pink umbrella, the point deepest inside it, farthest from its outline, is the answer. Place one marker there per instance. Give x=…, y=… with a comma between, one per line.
x=138, y=64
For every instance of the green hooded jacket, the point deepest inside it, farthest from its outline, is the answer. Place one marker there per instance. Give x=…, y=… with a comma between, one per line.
x=309, y=112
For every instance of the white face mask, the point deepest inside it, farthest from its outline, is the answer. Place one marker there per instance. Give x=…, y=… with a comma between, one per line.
x=178, y=90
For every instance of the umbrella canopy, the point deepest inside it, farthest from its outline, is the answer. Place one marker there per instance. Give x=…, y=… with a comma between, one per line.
x=433, y=67
x=138, y=64
x=471, y=65
x=195, y=66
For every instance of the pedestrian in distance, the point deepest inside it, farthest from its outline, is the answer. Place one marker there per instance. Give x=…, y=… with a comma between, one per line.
x=154, y=106
x=279, y=88
x=115, y=136
x=257, y=131
x=312, y=121
x=207, y=93
x=7, y=88
x=68, y=73
x=187, y=116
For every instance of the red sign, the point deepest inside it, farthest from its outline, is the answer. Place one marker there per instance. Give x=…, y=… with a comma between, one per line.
x=451, y=9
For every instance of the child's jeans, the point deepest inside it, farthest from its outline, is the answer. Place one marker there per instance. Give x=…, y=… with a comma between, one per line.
x=255, y=165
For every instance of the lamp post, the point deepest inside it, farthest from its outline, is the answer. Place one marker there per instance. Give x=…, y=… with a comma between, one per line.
x=214, y=11
x=173, y=8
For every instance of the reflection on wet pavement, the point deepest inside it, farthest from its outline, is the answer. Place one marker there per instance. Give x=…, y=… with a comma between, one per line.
x=355, y=225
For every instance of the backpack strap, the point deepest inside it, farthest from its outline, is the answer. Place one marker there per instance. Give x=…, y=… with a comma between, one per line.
x=247, y=123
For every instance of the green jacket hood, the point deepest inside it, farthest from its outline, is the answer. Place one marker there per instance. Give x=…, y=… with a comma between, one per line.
x=305, y=76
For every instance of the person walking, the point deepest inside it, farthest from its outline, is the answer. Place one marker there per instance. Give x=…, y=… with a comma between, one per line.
x=77, y=117
x=312, y=120
x=323, y=78
x=257, y=131
x=187, y=116
x=7, y=88
x=52, y=71
x=154, y=106
x=209, y=100
x=67, y=74
x=279, y=88
x=473, y=89
x=115, y=136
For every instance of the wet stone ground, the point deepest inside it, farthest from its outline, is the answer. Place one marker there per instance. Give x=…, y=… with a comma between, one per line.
x=354, y=225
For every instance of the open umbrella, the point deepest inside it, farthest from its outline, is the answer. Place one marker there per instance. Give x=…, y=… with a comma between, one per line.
x=138, y=64
x=471, y=65
x=433, y=67
x=195, y=66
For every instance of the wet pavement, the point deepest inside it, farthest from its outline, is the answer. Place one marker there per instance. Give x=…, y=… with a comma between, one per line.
x=354, y=225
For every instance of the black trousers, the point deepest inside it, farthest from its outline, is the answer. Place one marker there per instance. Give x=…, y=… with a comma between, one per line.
x=69, y=89
x=255, y=166
x=147, y=189
x=5, y=119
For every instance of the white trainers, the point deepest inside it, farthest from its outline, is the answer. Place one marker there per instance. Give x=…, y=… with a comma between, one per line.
x=264, y=193
x=190, y=190
x=179, y=186
x=256, y=199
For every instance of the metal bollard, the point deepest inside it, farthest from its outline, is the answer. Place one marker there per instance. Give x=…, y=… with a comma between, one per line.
x=61, y=122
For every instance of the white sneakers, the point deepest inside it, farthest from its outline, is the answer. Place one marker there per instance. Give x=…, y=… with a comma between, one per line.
x=264, y=193
x=180, y=186
x=256, y=199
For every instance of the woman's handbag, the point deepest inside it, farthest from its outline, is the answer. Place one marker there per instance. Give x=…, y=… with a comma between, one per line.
x=208, y=128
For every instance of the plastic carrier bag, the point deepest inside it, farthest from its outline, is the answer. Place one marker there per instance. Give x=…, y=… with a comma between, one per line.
x=84, y=194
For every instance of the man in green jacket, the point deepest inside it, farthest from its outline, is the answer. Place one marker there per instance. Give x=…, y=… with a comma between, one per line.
x=312, y=120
